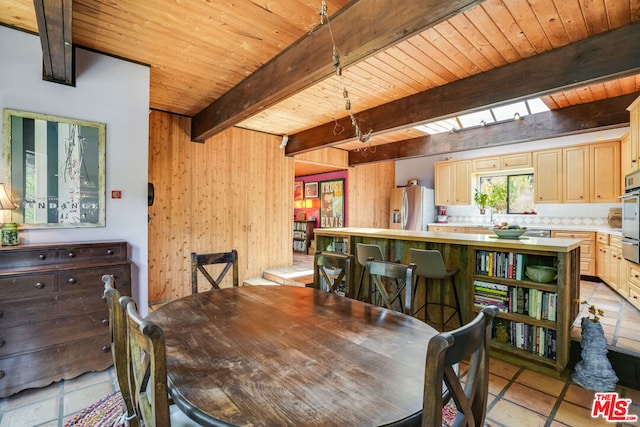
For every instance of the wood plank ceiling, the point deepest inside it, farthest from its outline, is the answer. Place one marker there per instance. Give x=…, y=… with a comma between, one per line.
x=199, y=51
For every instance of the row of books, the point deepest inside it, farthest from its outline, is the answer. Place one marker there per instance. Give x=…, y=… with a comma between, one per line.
x=299, y=245
x=299, y=234
x=534, y=339
x=507, y=265
x=300, y=226
x=516, y=299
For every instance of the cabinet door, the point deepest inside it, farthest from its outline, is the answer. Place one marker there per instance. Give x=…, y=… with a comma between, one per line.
x=515, y=161
x=634, y=133
x=547, y=167
x=486, y=164
x=443, y=182
x=575, y=176
x=627, y=163
x=605, y=172
x=462, y=182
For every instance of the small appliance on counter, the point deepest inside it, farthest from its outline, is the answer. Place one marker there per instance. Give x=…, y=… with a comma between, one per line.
x=442, y=215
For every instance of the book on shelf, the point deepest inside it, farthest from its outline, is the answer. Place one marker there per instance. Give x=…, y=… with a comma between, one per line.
x=516, y=299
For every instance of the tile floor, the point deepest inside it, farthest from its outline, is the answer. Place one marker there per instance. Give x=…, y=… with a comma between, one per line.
x=518, y=397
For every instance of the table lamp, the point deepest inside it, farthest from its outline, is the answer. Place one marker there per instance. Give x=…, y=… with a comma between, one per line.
x=9, y=232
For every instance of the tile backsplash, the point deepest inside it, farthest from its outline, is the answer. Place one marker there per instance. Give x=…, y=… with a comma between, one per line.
x=579, y=214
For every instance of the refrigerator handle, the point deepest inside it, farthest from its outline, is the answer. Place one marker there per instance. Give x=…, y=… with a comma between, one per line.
x=405, y=209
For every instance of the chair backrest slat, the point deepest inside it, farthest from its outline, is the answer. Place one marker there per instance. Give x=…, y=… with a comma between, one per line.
x=325, y=267
x=470, y=342
x=148, y=364
x=200, y=261
x=117, y=328
x=393, y=283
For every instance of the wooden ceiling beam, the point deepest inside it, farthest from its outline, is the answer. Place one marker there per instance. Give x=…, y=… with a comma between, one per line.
x=602, y=57
x=54, y=25
x=360, y=29
x=607, y=113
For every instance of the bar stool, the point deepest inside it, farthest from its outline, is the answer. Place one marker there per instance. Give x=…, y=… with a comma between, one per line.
x=430, y=265
x=364, y=251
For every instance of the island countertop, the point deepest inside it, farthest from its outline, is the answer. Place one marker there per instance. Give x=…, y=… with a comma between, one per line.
x=485, y=240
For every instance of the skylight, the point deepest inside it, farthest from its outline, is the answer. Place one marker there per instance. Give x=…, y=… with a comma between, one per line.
x=485, y=117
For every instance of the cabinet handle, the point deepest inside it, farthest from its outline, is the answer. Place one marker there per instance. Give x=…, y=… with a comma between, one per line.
x=39, y=285
x=106, y=348
x=72, y=255
x=42, y=256
x=109, y=251
x=2, y=342
x=72, y=281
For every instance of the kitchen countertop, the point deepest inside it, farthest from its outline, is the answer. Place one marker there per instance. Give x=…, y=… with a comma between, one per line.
x=531, y=243
x=592, y=228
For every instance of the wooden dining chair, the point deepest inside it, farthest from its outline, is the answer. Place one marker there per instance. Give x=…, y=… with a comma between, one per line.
x=199, y=262
x=333, y=272
x=391, y=285
x=117, y=329
x=445, y=351
x=146, y=356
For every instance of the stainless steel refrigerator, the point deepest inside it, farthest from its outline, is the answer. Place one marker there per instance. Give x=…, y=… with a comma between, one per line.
x=412, y=208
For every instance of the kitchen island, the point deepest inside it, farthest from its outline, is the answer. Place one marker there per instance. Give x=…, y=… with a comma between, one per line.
x=533, y=326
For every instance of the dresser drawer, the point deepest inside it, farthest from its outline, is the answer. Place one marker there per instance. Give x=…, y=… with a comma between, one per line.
x=51, y=307
x=91, y=278
x=27, y=257
x=27, y=285
x=93, y=253
x=42, y=367
x=31, y=336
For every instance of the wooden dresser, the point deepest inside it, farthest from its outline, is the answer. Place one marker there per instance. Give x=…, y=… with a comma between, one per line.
x=53, y=321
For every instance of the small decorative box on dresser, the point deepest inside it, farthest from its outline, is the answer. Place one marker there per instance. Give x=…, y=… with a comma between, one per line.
x=53, y=321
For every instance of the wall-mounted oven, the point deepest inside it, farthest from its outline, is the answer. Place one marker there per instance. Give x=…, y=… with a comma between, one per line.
x=631, y=218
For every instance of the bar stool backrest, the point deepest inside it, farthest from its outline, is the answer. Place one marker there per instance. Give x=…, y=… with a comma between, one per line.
x=429, y=263
x=332, y=271
x=364, y=251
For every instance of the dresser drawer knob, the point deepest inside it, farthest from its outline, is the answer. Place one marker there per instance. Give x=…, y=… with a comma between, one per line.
x=72, y=281
x=105, y=322
x=42, y=256
x=109, y=251
x=2, y=342
x=39, y=285
x=1, y=313
x=106, y=348
x=72, y=254
x=1, y=374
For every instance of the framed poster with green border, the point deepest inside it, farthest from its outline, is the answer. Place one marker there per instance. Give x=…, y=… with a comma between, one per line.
x=332, y=203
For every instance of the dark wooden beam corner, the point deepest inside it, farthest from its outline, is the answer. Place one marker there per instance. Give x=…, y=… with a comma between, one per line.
x=300, y=66
x=613, y=54
x=607, y=113
x=56, y=37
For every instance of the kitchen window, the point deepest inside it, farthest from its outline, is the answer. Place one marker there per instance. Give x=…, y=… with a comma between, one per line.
x=509, y=194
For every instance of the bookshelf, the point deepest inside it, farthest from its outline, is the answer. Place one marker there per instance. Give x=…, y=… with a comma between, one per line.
x=533, y=323
x=303, y=235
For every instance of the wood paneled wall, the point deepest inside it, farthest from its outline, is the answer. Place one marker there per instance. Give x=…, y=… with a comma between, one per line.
x=234, y=191
x=369, y=190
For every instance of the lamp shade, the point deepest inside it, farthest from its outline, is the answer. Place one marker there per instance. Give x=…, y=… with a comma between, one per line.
x=5, y=200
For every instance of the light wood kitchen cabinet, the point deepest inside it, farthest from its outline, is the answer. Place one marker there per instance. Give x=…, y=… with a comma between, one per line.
x=486, y=164
x=634, y=133
x=499, y=163
x=587, y=248
x=575, y=176
x=634, y=285
x=627, y=163
x=515, y=161
x=453, y=183
x=602, y=265
x=547, y=165
x=604, y=185
x=615, y=255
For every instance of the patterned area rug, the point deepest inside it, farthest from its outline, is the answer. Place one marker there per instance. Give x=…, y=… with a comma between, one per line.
x=106, y=412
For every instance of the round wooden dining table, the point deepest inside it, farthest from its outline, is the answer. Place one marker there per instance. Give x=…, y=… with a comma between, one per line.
x=292, y=356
